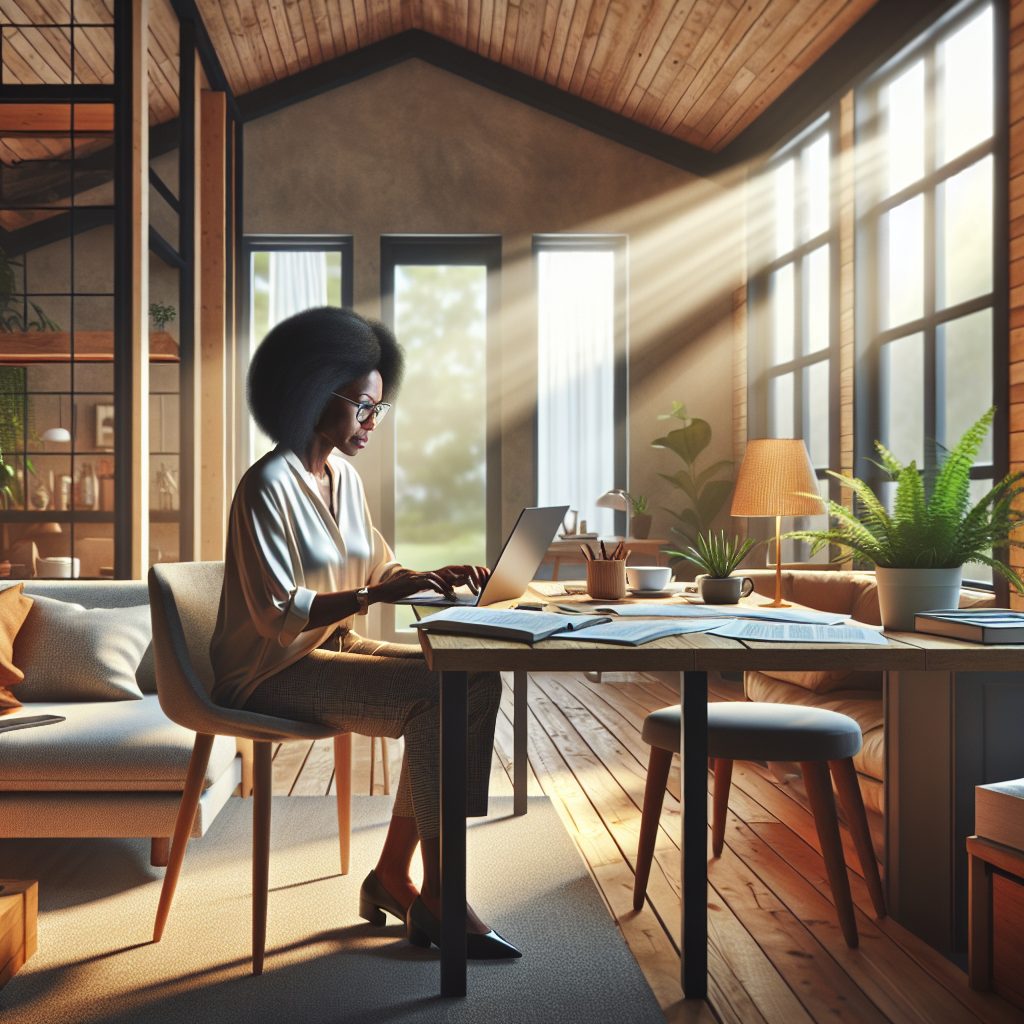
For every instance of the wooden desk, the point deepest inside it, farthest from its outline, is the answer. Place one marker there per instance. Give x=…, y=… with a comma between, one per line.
x=567, y=552
x=692, y=656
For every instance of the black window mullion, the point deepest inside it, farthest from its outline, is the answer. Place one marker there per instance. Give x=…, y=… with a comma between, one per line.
x=931, y=261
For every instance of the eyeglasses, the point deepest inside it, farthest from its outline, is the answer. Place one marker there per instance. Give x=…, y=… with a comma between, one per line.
x=364, y=410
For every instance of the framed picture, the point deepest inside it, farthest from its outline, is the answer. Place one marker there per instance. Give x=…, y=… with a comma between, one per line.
x=104, y=426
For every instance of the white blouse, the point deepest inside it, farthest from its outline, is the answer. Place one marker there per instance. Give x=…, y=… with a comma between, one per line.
x=284, y=547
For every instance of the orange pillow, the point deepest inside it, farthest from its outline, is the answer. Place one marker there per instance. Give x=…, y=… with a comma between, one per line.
x=14, y=609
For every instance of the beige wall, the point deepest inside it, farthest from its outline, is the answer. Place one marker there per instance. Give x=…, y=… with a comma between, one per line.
x=414, y=149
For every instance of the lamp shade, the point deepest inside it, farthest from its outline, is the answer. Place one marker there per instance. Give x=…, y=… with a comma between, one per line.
x=777, y=479
x=613, y=499
x=57, y=434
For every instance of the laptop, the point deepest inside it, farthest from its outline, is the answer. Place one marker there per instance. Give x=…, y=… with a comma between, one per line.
x=518, y=562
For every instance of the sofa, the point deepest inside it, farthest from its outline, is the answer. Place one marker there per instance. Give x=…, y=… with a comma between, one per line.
x=115, y=767
x=857, y=694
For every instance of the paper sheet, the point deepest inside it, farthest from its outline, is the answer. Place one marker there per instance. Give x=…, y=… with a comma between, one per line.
x=730, y=611
x=631, y=632
x=796, y=633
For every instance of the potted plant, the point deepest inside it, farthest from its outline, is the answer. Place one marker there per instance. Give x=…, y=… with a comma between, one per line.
x=718, y=558
x=640, y=523
x=920, y=547
x=161, y=315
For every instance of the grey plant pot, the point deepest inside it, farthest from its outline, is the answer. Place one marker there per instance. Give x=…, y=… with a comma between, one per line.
x=902, y=593
x=641, y=526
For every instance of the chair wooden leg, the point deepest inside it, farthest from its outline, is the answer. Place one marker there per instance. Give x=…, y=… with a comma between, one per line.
x=373, y=762
x=845, y=776
x=819, y=792
x=343, y=785
x=244, y=748
x=385, y=763
x=723, y=783
x=262, y=794
x=979, y=922
x=190, y=795
x=159, y=851
x=654, y=796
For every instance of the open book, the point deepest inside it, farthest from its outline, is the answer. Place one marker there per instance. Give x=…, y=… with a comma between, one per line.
x=526, y=627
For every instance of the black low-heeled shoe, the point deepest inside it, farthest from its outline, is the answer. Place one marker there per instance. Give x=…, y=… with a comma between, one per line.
x=374, y=899
x=424, y=929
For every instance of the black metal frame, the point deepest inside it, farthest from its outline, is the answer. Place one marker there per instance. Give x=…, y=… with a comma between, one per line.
x=619, y=246
x=432, y=250
x=870, y=338
x=760, y=369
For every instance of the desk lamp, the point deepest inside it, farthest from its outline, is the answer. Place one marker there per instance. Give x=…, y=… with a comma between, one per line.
x=777, y=479
x=618, y=499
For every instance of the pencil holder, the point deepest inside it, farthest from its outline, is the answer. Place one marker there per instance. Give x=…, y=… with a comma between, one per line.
x=606, y=578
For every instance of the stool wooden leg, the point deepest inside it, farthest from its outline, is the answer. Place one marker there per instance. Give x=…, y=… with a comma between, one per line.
x=823, y=806
x=191, y=793
x=343, y=786
x=723, y=783
x=845, y=776
x=385, y=764
x=979, y=918
x=159, y=851
x=654, y=796
x=262, y=794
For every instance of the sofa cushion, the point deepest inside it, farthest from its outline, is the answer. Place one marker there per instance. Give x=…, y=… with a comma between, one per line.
x=118, y=745
x=69, y=653
x=14, y=607
x=826, y=682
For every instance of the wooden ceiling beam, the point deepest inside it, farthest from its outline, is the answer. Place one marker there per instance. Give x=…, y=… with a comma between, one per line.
x=650, y=53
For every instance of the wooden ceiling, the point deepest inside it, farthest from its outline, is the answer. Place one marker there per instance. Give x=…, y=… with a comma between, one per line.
x=697, y=70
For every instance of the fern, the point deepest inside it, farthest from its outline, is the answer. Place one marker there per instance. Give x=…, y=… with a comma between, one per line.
x=933, y=524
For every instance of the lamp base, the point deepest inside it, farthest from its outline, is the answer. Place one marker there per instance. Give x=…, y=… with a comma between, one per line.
x=776, y=604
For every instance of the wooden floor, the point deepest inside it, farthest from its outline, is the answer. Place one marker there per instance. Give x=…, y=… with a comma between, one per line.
x=776, y=954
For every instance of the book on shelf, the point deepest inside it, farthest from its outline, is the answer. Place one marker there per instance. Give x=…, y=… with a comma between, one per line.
x=525, y=626
x=999, y=812
x=978, y=625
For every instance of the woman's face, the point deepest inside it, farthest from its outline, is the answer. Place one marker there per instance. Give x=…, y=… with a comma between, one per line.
x=339, y=424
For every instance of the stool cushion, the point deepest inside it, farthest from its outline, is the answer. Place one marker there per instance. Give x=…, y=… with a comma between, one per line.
x=745, y=731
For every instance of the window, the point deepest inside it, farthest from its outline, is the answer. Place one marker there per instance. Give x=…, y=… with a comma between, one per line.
x=287, y=274
x=581, y=427
x=927, y=312
x=794, y=366
x=441, y=504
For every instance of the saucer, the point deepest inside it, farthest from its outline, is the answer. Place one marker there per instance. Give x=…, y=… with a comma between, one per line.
x=651, y=593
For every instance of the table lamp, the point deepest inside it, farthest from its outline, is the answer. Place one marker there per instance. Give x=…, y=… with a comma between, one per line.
x=777, y=479
x=619, y=500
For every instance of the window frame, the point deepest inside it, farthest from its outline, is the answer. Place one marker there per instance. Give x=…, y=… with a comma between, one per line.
x=618, y=245
x=870, y=337
x=759, y=365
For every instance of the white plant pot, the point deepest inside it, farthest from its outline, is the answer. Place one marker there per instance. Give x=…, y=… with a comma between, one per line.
x=902, y=593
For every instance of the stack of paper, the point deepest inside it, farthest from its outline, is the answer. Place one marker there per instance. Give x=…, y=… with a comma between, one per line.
x=798, y=633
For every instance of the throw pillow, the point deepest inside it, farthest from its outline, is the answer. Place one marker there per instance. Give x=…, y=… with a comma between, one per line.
x=14, y=607
x=70, y=653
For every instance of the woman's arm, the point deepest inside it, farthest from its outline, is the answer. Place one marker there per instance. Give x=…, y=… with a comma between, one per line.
x=328, y=609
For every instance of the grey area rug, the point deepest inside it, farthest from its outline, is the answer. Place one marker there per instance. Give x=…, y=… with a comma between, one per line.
x=98, y=898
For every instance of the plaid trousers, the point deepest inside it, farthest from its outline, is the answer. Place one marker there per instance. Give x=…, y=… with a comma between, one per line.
x=381, y=689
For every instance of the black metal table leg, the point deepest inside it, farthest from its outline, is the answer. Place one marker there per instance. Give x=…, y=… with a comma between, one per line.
x=454, y=742
x=521, y=682
x=694, y=809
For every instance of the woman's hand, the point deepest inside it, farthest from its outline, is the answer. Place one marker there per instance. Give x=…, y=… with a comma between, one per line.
x=475, y=576
x=404, y=582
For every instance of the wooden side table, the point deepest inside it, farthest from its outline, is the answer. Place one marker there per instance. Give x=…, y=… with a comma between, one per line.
x=567, y=552
x=996, y=940
x=19, y=902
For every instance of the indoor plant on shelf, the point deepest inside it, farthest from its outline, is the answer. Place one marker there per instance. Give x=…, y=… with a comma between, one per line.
x=718, y=558
x=920, y=548
x=640, y=520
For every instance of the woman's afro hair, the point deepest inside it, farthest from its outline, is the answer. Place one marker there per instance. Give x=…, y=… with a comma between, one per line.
x=307, y=357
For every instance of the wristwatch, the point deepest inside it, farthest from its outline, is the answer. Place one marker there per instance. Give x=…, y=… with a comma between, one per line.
x=363, y=597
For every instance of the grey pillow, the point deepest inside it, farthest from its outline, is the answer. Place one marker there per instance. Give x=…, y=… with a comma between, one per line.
x=71, y=653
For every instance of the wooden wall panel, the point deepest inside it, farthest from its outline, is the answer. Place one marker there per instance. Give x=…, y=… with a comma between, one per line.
x=847, y=229
x=1016, y=367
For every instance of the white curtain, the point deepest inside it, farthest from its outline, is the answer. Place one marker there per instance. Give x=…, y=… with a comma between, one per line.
x=298, y=281
x=576, y=379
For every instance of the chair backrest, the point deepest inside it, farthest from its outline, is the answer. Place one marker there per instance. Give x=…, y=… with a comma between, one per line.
x=184, y=598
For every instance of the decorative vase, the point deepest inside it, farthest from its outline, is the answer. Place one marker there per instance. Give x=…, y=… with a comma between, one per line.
x=902, y=593
x=641, y=525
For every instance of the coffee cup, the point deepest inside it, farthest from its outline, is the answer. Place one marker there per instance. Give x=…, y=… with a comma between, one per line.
x=727, y=590
x=648, y=577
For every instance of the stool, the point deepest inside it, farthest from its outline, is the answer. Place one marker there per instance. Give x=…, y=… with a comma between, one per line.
x=817, y=739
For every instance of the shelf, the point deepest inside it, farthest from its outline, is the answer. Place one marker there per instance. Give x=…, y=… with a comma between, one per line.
x=20, y=347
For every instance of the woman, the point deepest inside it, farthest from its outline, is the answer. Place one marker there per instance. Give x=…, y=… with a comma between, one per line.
x=303, y=559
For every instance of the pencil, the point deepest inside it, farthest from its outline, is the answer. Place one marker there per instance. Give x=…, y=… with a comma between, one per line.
x=604, y=554
x=586, y=552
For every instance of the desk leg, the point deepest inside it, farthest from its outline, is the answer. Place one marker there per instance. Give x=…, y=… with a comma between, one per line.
x=694, y=808
x=520, y=764
x=454, y=743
